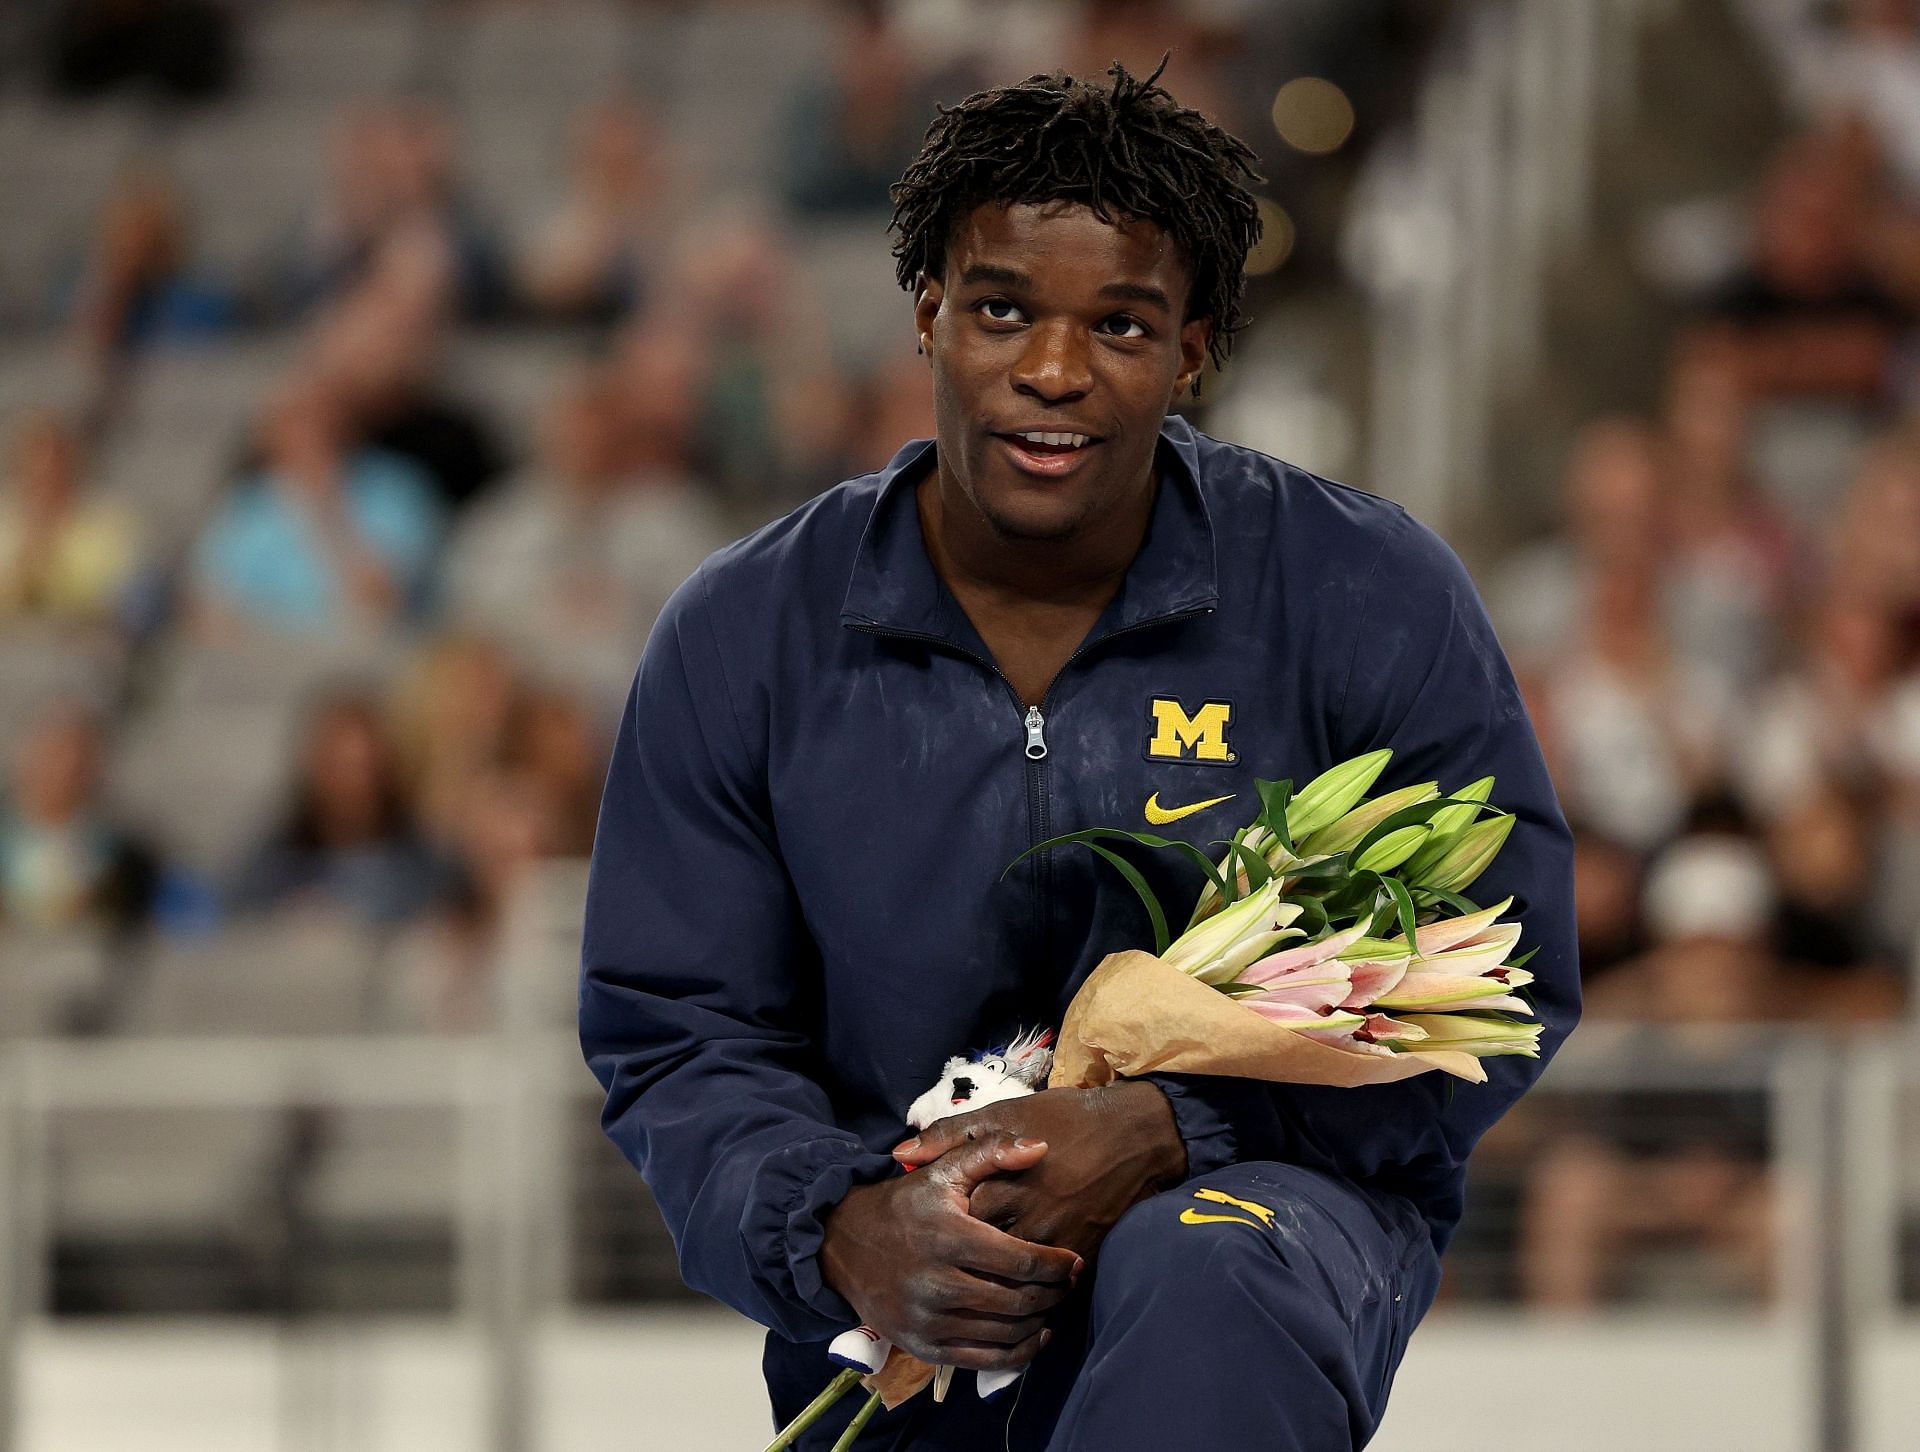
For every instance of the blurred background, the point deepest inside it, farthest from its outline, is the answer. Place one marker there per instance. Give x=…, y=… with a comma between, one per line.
x=371, y=371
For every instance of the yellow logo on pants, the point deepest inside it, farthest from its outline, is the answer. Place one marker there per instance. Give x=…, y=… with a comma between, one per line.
x=1191, y=1216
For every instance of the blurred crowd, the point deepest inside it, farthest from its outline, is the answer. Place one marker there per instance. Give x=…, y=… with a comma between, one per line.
x=437, y=615
x=1720, y=648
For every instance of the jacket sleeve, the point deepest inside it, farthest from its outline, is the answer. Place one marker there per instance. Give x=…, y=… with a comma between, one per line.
x=1427, y=678
x=697, y=988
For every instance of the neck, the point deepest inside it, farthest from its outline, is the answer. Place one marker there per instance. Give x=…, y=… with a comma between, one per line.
x=1085, y=567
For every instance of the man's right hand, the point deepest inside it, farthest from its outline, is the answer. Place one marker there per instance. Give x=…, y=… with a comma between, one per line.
x=939, y=1284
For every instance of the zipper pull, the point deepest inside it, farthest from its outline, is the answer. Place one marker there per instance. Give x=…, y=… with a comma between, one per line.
x=1036, y=734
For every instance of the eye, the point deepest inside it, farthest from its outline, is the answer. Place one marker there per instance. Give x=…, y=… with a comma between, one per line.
x=998, y=302
x=1128, y=320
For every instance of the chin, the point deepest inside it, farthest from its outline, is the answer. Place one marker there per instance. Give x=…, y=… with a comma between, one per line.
x=1037, y=524
x=1019, y=511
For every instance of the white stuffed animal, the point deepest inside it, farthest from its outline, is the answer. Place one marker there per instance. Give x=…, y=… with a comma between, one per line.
x=987, y=1077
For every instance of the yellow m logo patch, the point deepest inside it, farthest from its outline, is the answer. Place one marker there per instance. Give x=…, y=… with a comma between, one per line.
x=1180, y=735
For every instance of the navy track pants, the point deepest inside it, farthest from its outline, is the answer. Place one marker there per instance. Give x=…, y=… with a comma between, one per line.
x=1261, y=1307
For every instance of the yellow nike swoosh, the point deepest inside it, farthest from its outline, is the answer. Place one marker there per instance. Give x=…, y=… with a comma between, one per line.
x=1160, y=816
x=1191, y=1216
x=1221, y=1197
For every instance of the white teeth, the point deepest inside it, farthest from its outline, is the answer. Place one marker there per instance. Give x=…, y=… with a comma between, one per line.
x=1057, y=440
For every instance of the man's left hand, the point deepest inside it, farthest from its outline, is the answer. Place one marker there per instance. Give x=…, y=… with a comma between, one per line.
x=1109, y=1148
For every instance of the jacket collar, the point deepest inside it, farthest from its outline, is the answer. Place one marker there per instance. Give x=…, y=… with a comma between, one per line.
x=895, y=589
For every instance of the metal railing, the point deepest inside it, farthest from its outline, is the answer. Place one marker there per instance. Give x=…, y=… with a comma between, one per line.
x=1835, y=1105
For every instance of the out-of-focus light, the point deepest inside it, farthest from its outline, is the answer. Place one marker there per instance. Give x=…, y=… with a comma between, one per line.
x=1313, y=115
x=1276, y=238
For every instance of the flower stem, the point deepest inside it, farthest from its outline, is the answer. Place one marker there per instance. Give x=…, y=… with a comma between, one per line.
x=816, y=1409
x=860, y=1419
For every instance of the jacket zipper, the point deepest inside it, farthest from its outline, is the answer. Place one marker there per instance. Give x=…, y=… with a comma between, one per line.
x=1034, y=724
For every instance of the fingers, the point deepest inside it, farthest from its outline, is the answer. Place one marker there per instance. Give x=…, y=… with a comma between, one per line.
x=998, y=1202
x=975, y=1246
x=985, y=1356
x=944, y=1135
x=1005, y=1300
x=996, y=1153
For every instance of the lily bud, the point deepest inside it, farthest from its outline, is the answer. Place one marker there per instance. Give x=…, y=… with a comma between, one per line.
x=1473, y=850
x=1485, y=1038
x=1334, y=793
x=1350, y=828
x=1391, y=850
x=1448, y=823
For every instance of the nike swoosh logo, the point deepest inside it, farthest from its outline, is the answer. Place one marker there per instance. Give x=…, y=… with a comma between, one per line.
x=1191, y=1216
x=1160, y=816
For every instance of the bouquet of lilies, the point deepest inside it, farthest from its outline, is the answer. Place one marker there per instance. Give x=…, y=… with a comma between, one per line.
x=1331, y=944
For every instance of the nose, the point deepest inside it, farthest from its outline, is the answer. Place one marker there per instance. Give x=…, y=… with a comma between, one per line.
x=1056, y=366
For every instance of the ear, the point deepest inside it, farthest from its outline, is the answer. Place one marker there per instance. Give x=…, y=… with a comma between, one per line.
x=1195, y=335
x=926, y=306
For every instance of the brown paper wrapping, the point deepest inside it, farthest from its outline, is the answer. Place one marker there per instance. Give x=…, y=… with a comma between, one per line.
x=1135, y=1015
x=900, y=1376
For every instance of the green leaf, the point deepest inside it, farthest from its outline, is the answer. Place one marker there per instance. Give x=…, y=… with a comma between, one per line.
x=1275, y=798
x=1403, y=903
x=1145, y=839
x=1313, y=915
x=1126, y=869
x=1461, y=905
x=1521, y=961
x=1232, y=893
x=1250, y=860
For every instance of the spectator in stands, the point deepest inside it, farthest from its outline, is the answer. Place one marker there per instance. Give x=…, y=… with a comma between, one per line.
x=456, y=711
x=183, y=49
x=1653, y=1168
x=571, y=564
x=1808, y=317
x=1736, y=560
x=377, y=351
x=892, y=404
x=1875, y=541
x=446, y=966
x=64, y=557
x=591, y=260
x=1847, y=711
x=1606, y=895
x=349, y=838
x=851, y=130
x=1633, y=727
x=747, y=326
x=138, y=285
x=65, y=862
x=392, y=175
x=326, y=536
x=559, y=746
x=1822, y=847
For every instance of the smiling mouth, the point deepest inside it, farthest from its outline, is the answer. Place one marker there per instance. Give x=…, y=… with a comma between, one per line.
x=1048, y=454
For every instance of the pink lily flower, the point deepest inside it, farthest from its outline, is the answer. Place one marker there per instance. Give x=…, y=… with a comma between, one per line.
x=1373, y=979
x=1304, y=955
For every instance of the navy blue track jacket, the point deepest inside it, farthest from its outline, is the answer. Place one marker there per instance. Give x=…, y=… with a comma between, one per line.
x=796, y=911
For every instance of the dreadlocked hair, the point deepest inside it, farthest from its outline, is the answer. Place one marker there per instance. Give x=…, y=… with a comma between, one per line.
x=1132, y=150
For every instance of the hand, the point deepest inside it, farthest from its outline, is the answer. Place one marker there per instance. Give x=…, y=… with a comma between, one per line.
x=1109, y=1148
x=939, y=1284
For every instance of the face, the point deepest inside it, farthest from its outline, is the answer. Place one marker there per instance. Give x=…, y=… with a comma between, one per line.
x=1049, y=320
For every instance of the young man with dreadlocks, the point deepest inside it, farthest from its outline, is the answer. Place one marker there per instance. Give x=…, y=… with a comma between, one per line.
x=1066, y=609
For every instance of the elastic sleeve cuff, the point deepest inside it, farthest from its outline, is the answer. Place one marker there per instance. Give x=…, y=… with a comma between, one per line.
x=784, y=1230
x=1210, y=1139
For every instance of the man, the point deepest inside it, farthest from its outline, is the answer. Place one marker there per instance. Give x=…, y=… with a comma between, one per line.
x=1067, y=610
